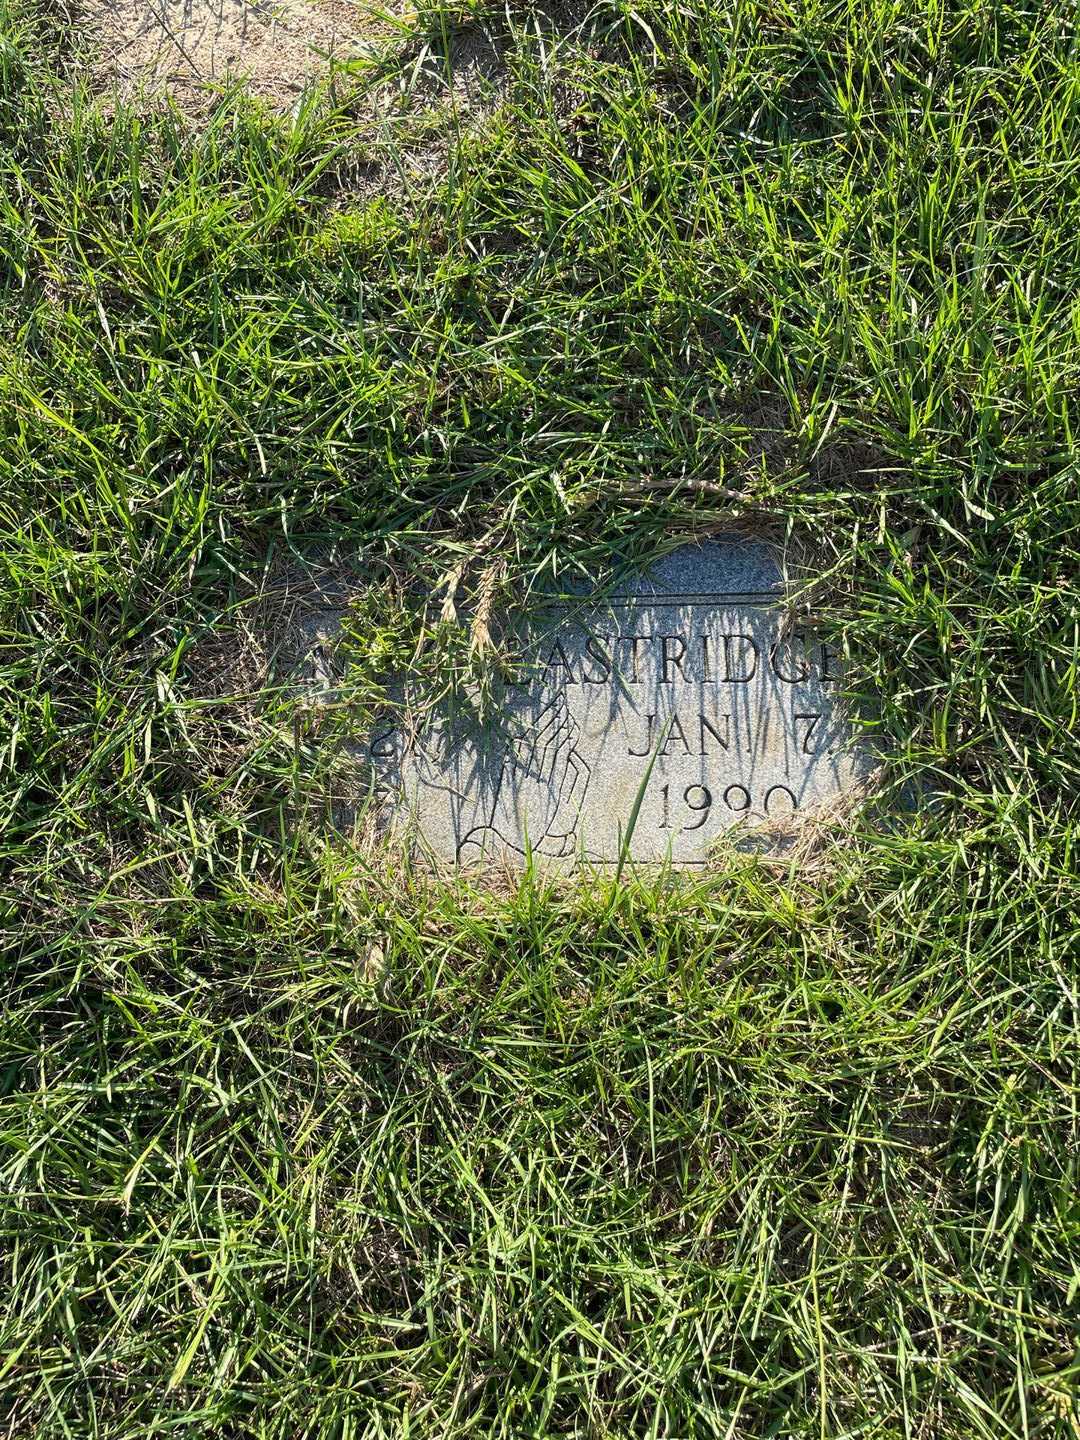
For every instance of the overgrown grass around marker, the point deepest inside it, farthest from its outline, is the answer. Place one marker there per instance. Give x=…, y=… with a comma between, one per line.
x=295, y=1142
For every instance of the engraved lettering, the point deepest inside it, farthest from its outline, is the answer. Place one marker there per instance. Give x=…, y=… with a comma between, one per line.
x=650, y=722
x=699, y=807
x=779, y=808
x=676, y=732
x=697, y=665
x=595, y=651
x=735, y=659
x=813, y=719
x=557, y=661
x=706, y=726
x=634, y=641
x=670, y=658
x=775, y=657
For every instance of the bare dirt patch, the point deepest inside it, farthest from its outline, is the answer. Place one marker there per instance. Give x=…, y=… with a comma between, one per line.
x=192, y=47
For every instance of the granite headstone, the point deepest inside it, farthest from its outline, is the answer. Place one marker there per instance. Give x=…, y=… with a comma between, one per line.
x=684, y=696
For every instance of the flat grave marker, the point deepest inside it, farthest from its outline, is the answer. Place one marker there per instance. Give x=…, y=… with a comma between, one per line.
x=682, y=688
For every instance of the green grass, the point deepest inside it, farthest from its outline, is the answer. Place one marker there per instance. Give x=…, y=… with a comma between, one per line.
x=295, y=1143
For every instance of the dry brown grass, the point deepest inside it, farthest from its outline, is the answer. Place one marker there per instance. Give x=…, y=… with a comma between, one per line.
x=190, y=48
